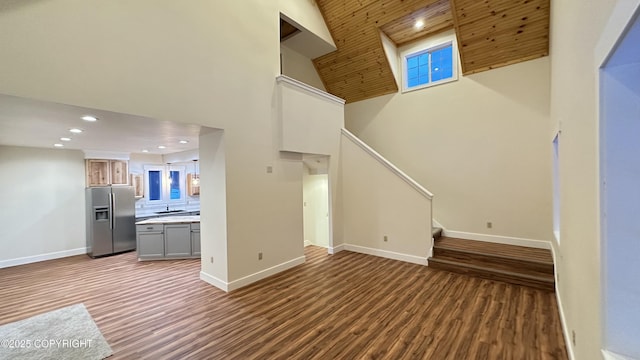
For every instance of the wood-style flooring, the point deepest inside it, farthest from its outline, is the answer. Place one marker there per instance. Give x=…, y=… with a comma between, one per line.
x=342, y=306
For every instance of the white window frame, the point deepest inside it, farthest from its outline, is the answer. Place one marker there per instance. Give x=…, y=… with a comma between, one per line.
x=422, y=47
x=165, y=196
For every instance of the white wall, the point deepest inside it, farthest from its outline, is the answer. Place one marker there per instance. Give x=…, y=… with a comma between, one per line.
x=480, y=144
x=178, y=62
x=42, y=192
x=575, y=30
x=377, y=203
x=299, y=67
x=310, y=123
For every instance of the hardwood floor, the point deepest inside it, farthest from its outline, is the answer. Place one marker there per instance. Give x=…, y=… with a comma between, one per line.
x=342, y=306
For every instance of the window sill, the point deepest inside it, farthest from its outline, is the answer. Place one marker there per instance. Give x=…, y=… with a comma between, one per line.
x=426, y=86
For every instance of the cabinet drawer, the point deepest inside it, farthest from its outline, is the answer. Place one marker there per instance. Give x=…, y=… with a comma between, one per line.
x=150, y=227
x=195, y=226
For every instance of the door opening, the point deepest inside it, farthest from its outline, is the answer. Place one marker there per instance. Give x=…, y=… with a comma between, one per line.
x=315, y=181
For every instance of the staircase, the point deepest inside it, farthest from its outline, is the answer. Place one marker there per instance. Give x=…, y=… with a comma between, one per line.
x=508, y=263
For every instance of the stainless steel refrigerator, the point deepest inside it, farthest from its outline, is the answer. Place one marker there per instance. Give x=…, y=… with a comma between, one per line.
x=111, y=220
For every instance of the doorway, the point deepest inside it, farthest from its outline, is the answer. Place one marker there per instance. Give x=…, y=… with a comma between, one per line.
x=620, y=193
x=315, y=197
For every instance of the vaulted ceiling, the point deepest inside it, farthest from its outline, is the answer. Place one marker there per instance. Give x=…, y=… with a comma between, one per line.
x=490, y=34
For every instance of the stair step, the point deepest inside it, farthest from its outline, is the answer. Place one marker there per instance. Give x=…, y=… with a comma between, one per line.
x=509, y=263
x=495, y=249
x=493, y=260
x=538, y=282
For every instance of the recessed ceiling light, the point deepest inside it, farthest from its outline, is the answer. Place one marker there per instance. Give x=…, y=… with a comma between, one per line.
x=89, y=118
x=419, y=24
x=58, y=145
x=162, y=147
x=183, y=141
x=75, y=131
x=65, y=139
x=145, y=151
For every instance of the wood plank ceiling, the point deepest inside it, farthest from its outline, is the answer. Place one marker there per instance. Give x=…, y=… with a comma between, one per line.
x=490, y=34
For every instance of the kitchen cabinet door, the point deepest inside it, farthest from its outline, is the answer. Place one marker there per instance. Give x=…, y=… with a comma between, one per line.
x=195, y=242
x=150, y=245
x=119, y=172
x=97, y=172
x=177, y=240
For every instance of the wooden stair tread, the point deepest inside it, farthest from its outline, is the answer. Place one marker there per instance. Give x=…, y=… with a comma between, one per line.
x=495, y=262
x=541, y=278
x=539, y=282
x=495, y=250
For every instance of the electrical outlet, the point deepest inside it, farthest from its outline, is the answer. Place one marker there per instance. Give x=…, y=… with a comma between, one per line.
x=385, y=238
x=269, y=169
x=489, y=224
x=259, y=256
x=212, y=259
x=573, y=337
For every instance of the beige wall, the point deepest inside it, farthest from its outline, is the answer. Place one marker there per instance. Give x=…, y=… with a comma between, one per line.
x=42, y=192
x=378, y=203
x=178, y=61
x=575, y=30
x=299, y=67
x=480, y=144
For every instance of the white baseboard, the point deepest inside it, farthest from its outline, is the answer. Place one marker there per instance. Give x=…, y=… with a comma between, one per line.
x=42, y=257
x=250, y=279
x=387, y=254
x=337, y=249
x=565, y=329
x=435, y=223
x=563, y=320
x=212, y=280
x=540, y=244
x=307, y=243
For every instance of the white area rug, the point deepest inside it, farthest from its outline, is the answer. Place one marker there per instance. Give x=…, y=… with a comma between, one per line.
x=67, y=333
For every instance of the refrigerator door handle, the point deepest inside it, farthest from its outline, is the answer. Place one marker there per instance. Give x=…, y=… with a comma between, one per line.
x=112, y=202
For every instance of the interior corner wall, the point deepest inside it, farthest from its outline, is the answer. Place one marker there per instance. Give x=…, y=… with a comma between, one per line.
x=481, y=145
x=299, y=67
x=43, y=197
x=213, y=206
x=575, y=31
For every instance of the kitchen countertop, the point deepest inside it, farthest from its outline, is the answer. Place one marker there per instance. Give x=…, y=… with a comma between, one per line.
x=170, y=220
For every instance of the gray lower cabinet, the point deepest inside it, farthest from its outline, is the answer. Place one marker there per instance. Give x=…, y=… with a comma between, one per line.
x=150, y=242
x=168, y=241
x=195, y=239
x=177, y=240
